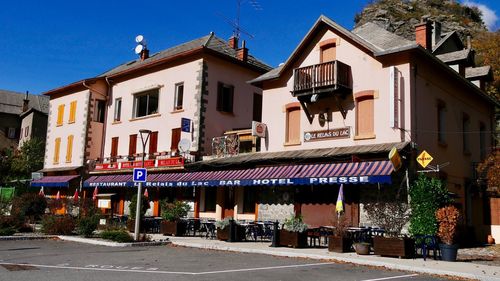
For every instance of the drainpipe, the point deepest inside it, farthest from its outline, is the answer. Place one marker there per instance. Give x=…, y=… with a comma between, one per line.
x=105, y=117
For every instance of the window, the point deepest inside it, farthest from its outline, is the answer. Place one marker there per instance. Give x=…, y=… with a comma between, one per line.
x=26, y=131
x=132, y=145
x=57, y=146
x=118, y=109
x=11, y=133
x=292, y=134
x=249, y=200
x=176, y=138
x=365, y=114
x=465, y=133
x=225, y=94
x=114, y=149
x=100, y=111
x=257, y=107
x=179, y=95
x=328, y=52
x=69, y=149
x=441, y=117
x=60, y=114
x=72, y=112
x=146, y=103
x=482, y=140
x=210, y=199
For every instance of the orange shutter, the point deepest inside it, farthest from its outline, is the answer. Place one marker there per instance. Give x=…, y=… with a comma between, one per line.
x=293, y=125
x=72, y=112
x=57, y=146
x=69, y=148
x=365, y=117
x=60, y=114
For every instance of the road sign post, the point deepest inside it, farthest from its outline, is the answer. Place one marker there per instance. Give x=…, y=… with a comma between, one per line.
x=140, y=175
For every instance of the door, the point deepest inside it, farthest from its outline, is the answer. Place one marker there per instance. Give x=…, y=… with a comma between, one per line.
x=228, y=202
x=114, y=149
x=176, y=137
x=328, y=53
x=153, y=143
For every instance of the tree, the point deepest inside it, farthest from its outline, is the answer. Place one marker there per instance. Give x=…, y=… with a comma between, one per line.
x=28, y=159
x=487, y=47
x=489, y=171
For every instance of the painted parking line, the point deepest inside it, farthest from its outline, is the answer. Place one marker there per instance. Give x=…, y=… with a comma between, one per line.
x=155, y=270
x=392, y=277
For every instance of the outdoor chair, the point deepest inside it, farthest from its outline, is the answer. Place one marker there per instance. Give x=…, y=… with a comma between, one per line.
x=426, y=243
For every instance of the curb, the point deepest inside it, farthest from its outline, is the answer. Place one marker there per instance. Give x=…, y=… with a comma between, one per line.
x=388, y=265
x=111, y=244
x=11, y=238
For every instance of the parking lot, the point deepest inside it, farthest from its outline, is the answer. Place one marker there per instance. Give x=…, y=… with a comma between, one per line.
x=60, y=260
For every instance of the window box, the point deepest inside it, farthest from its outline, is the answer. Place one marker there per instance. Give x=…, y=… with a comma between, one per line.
x=293, y=239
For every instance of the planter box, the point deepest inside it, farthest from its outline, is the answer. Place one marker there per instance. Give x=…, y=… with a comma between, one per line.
x=362, y=248
x=394, y=247
x=223, y=234
x=293, y=239
x=339, y=244
x=173, y=228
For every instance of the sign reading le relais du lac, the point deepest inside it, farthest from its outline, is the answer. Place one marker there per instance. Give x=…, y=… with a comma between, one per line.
x=338, y=133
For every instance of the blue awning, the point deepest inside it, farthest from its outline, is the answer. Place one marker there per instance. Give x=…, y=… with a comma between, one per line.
x=53, y=181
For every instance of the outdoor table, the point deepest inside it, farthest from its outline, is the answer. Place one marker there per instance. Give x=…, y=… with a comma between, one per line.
x=209, y=228
x=358, y=234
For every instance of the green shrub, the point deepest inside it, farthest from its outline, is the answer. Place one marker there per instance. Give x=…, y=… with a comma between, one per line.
x=7, y=231
x=87, y=225
x=426, y=196
x=7, y=225
x=174, y=211
x=119, y=235
x=29, y=206
x=295, y=224
x=133, y=206
x=60, y=225
x=221, y=224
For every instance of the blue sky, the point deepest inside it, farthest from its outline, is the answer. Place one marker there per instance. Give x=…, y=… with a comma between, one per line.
x=48, y=44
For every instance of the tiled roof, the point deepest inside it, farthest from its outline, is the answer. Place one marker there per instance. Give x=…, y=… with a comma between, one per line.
x=12, y=102
x=209, y=41
x=382, y=39
x=476, y=72
x=455, y=56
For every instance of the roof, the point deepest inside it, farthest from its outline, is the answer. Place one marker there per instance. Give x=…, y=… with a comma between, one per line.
x=456, y=56
x=210, y=42
x=369, y=36
x=453, y=35
x=477, y=72
x=325, y=154
x=12, y=102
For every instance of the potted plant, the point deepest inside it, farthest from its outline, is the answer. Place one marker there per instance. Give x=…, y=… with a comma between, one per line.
x=294, y=233
x=447, y=218
x=172, y=214
x=391, y=217
x=340, y=241
x=362, y=248
x=224, y=230
x=132, y=211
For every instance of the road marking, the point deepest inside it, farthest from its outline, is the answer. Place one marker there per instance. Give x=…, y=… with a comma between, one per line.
x=154, y=270
x=392, y=277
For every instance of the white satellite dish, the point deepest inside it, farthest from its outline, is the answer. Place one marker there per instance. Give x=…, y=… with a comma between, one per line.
x=184, y=145
x=139, y=49
x=139, y=39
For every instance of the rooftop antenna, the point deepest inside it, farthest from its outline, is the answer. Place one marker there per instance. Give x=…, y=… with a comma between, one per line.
x=237, y=29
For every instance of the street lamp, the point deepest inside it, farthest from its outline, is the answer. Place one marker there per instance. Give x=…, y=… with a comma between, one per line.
x=144, y=139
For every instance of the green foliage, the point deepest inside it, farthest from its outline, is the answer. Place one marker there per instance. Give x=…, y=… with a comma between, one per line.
x=295, y=224
x=58, y=225
x=117, y=235
x=133, y=206
x=221, y=224
x=8, y=225
x=427, y=195
x=29, y=158
x=87, y=225
x=174, y=211
x=29, y=205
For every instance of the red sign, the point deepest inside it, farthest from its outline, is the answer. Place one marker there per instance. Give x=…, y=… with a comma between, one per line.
x=177, y=161
x=106, y=166
x=138, y=164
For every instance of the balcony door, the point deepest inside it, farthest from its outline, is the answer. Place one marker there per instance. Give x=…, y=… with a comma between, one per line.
x=328, y=53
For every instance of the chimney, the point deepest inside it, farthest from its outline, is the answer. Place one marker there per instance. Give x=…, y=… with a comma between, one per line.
x=144, y=54
x=233, y=42
x=242, y=53
x=26, y=102
x=436, y=33
x=423, y=34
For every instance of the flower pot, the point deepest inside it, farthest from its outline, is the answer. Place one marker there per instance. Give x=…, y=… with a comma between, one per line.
x=448, y=252
x=490, y=239
x=339, y=244
x=131, y=226
x=394, y=246
x=223, y=233
x=174, y=228
x=293, y=239
x=362, y=248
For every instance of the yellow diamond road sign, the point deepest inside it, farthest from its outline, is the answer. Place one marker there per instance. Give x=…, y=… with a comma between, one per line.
x=424, y=159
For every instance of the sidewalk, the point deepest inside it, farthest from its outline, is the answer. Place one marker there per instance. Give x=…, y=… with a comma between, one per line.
x=430, y=266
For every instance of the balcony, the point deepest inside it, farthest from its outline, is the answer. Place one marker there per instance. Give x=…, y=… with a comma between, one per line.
x=323, y=78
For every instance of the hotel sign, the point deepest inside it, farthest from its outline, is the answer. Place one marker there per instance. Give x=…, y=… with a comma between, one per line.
x=339, y=133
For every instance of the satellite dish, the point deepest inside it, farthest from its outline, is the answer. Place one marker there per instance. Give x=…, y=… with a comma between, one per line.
x=138, y=49
x=184, y=145
x=139, y=39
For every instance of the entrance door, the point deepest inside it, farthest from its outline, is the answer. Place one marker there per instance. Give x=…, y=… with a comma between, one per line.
x=228, y=202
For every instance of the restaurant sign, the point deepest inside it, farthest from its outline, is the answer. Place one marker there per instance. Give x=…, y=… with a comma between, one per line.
x=338, y=133
x=150, y=163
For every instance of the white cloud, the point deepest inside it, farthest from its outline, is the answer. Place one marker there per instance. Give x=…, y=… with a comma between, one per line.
x=490, y=17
